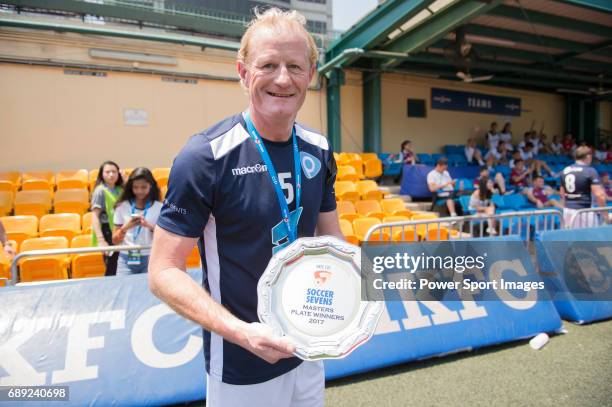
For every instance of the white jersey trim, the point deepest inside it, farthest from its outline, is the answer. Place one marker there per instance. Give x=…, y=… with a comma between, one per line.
x=228, y=141
x=312, y=137
x=213, y=271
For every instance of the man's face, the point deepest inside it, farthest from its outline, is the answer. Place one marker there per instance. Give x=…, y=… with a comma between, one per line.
x=494, y=127
x=520, y=166
x=277, y=73
x=538, y=182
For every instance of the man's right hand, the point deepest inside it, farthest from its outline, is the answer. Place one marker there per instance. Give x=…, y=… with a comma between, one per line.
x=260, y=340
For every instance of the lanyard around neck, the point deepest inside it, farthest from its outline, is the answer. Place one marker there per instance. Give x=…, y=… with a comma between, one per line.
x=282, y=201
x=144, y=215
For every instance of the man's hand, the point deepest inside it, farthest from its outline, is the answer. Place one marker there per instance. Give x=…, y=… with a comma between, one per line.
x=260, y=340
x=539, y=204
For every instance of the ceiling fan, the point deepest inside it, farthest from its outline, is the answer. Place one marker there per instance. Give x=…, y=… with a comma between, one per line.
x=592, y=91
x=465, y=54
x=467, y=78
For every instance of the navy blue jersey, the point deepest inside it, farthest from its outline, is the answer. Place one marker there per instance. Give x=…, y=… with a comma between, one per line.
x=220, y=191
x=576, y=181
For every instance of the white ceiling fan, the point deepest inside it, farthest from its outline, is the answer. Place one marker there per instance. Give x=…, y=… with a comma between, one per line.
x=592, y=91
x=467, y=78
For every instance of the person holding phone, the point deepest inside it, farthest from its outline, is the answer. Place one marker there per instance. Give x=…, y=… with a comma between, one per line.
x=135, y=218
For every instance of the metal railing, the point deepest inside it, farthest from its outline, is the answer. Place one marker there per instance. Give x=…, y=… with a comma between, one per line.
x=462, y=227
x=590, y=217
x=54, y=252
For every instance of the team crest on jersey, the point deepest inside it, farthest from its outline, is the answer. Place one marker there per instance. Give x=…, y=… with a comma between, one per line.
x=310, y=164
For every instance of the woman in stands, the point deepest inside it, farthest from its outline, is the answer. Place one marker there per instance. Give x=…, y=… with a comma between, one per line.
x=472, y=153
x=506, y=136
x=555, y=146
x=405, y=156
x=136, y=214
x=481, y=203
x=106, y=192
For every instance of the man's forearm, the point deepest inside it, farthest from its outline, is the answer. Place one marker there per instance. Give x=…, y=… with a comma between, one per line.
x=188, y=299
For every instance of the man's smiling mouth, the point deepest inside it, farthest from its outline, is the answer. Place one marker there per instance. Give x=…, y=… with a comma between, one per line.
x=280, y=95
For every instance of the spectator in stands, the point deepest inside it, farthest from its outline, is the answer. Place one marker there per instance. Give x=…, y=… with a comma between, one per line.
x=499, y=183
x=505, y=136
x=544, y=145
x=497, y=157
x=516, y=155
x=519, y=176
x=6, y=245
x=135, y=218
x=579, y=184
x=601, y=154
x=442, y=185
x=568, y=144
x=539, y=194
x=492, y=137
x=555, y=146
x=606, y=185
x=534, y=139
x=528, y=156
x=480, y=202
x=106, y=192
x=472, y=153
x=405, y=156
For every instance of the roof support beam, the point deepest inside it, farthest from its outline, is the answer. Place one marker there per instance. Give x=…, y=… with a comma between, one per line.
x=562, y=59
x=376, y=26
x=438, y=26
x=599, y=5
x=564, y=23
x=521, y=37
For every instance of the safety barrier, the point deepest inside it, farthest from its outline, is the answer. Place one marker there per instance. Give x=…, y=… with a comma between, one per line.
x=590, y=217
x=461, y=227
x=52, y=252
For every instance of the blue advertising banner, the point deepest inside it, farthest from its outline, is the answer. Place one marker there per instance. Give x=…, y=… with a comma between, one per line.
x=576, y=266
x=113, y=343
x=446, y=99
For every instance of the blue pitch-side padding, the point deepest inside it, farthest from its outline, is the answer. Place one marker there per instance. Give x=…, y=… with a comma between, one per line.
x=551, y=259
x=112, y=342
x=414, y=330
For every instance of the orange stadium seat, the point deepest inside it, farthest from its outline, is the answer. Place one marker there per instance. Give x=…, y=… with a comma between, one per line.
x=347, y=173
x=37, y=203
x=6, y=185
x=346, y=210
x=369, y=208
x=163, y=191
x=193, y=260
x=362, y=225
x=368, y=156
x=358, y=166
x=36, y=185
x=161, y=175
x=13, y=177
x=43, y=268
x=424, y=216
x=395, y=207
x=86, y=222
x=125, y=172
x=372, y=168
x=20, y=228
x=71, y=201
x=432, y=232
x=60, y=224
x=346, y=191
x=72, y=179
x=347, y=230
x=86, y=265
x=6, y=203
x=368, y=189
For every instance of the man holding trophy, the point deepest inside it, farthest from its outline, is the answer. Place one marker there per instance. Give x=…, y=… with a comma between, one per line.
x=246, y=188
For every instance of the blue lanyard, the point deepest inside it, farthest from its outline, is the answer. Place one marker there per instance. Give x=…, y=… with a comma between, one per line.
x=282, y=201
x=144, y=215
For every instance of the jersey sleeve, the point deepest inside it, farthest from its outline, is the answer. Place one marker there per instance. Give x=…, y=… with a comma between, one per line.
x=328, y=202
x=191, y=187
x=122, y=214
x=97, y=198
x=594, y=176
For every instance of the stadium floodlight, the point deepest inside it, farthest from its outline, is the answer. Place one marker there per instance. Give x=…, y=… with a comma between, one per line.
x=132, y=56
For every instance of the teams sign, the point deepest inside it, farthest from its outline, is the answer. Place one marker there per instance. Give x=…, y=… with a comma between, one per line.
x=446, y=99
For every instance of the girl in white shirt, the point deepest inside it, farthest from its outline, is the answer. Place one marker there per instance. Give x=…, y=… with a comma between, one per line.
x=135, y=217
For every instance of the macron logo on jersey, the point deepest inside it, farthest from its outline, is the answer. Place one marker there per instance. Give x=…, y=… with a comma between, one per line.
x=253, y=169
x=310, y=164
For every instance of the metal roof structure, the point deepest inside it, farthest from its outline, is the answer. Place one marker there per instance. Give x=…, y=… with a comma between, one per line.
x=542, y=45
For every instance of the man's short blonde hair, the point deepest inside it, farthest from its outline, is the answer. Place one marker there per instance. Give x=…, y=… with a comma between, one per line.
x=277, y=19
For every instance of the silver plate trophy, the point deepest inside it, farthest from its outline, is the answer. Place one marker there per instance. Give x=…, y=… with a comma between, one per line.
x=311, y=292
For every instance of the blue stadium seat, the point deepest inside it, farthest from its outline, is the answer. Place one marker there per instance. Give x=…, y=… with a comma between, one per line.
x=425, y=159
x=468, y=185
x=383, y=156
x=457, y=160
x=464, y=201
x=434, y=157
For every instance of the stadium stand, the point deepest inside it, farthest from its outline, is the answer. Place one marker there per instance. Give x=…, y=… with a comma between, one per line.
x=71, y=201
x=20, y=228
x=72, y=179
x=37, y=203
x=86, y=265
x=44, y=268
x=60, y=224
